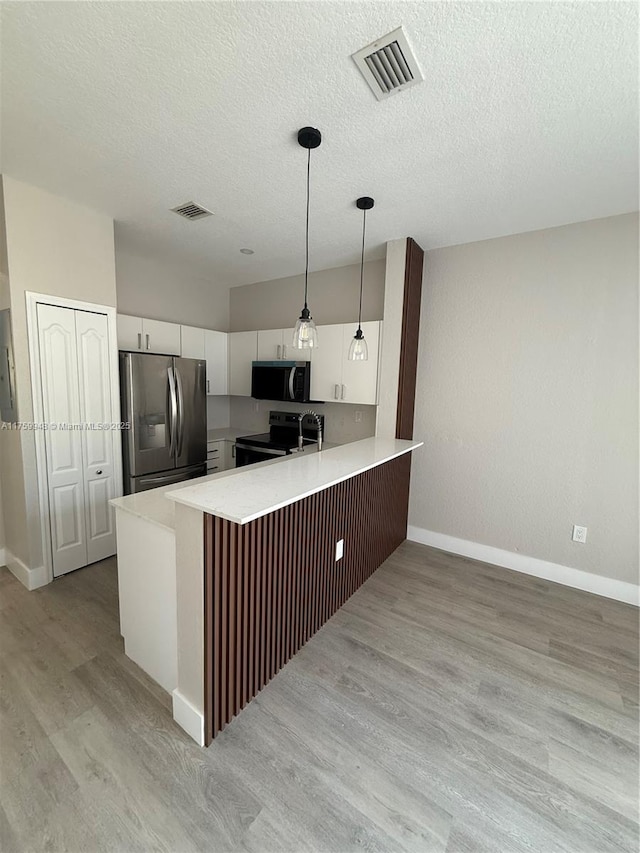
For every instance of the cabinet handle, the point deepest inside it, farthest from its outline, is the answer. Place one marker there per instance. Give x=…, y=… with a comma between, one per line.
x=98, y=472
x=336, y=391
x=284, y=350
x=233, y=451
x=278, y=351
x=344, y=391
x=208, y=386
x=147, y=337
x=139, y=340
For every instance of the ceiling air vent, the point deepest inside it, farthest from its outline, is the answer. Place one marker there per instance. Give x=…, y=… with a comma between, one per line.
x=191, y=210
x=388, y=65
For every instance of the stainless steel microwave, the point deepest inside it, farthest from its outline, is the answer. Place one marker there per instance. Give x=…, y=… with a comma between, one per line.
x=281, y=380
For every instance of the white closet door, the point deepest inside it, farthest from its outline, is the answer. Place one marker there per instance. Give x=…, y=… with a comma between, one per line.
x=92, y=343
x=59, y=368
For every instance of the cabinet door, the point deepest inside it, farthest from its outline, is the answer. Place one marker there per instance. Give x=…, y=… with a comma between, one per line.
x=92, y=342
x=326, y=364
x=289, y=353
x=160, y=337
x=360, y=378
x=216, y=347
x=270, y=345
x=192, y=342
x=229, y=455
x=243, y=349
x=129, y=332
x=61, y=400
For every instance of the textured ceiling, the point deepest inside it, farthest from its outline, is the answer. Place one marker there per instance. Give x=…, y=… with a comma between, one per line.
x=528, y=118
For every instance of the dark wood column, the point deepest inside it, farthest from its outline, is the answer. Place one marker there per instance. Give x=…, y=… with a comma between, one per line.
x=272, y=583
x=410, y=334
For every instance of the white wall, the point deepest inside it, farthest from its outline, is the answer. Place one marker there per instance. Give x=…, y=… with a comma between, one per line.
x=1, y=526
x=333, y=298
x=165, y=290
x=527, y=396
x=57, y=247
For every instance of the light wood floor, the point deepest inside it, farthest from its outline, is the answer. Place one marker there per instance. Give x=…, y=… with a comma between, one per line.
x=449, y=706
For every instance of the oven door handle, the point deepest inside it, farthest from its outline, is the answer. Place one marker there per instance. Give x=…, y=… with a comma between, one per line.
x=266, y=451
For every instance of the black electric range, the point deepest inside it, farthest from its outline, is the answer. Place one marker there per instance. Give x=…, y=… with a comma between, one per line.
x=281, y=440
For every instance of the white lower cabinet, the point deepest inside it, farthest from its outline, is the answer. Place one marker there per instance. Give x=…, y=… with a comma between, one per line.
x=336, y=379
x=243, y=350
x=221, y=455
x=76, y=390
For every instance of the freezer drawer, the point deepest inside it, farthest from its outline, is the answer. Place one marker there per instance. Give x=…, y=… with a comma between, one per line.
x=165, y=478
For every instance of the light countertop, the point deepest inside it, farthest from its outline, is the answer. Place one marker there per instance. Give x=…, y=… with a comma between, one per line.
x=153, y=506
x=255, y=491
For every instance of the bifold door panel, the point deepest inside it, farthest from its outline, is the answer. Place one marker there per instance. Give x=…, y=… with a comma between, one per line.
x=76, y=391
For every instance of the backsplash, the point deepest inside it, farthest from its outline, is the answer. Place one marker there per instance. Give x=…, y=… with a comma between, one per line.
x=218, y=412
x=339, y=418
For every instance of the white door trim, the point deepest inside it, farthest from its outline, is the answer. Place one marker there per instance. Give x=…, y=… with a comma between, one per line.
x=32, y=300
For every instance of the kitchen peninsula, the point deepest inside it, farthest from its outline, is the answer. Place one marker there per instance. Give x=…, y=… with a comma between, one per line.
x=218, y=595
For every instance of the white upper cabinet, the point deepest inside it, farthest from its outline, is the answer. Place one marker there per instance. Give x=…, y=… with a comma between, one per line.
x=360, y=378
x=129, y=332
x=326, y=364
x=192, y=342
x=336, y=379
x=139, y=334
x=211, y=346
x=270, y=344
x=243, y=349
x=160, y=337
x=275, y=345
x=216, y=346
x=290, y=352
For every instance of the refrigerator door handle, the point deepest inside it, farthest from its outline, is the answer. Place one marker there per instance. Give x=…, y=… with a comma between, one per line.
x=130, y=415
x=180, y=411
x=173, y=411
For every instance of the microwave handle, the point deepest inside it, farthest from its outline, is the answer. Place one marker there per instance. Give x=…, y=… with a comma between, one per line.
x=292, y=376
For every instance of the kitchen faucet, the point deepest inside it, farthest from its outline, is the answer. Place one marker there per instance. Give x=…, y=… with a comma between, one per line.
x=318, y=441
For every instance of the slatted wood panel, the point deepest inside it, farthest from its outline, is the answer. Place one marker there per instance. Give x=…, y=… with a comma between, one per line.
x=272, y=583
x=410, y=335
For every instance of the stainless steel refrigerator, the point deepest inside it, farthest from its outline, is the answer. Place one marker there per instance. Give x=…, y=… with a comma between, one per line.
x=164, y=403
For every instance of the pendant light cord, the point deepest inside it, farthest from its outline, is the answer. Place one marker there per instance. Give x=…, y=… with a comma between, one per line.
x=306, y=266
x=364, y=225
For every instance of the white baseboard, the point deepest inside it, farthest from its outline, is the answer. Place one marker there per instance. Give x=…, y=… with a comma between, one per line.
x=188, y=717
x=31, y=578
x=576, y=578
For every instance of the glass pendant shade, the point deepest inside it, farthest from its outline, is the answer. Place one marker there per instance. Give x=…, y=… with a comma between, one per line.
x=305, y=335
x=358, y=349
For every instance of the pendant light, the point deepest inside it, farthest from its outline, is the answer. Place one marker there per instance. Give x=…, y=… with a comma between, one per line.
x=305, y=335
x=358, y=350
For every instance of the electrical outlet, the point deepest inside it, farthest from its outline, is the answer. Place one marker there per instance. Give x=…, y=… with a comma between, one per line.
x=339, y=549
x=579, y=534
x=358, y=417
